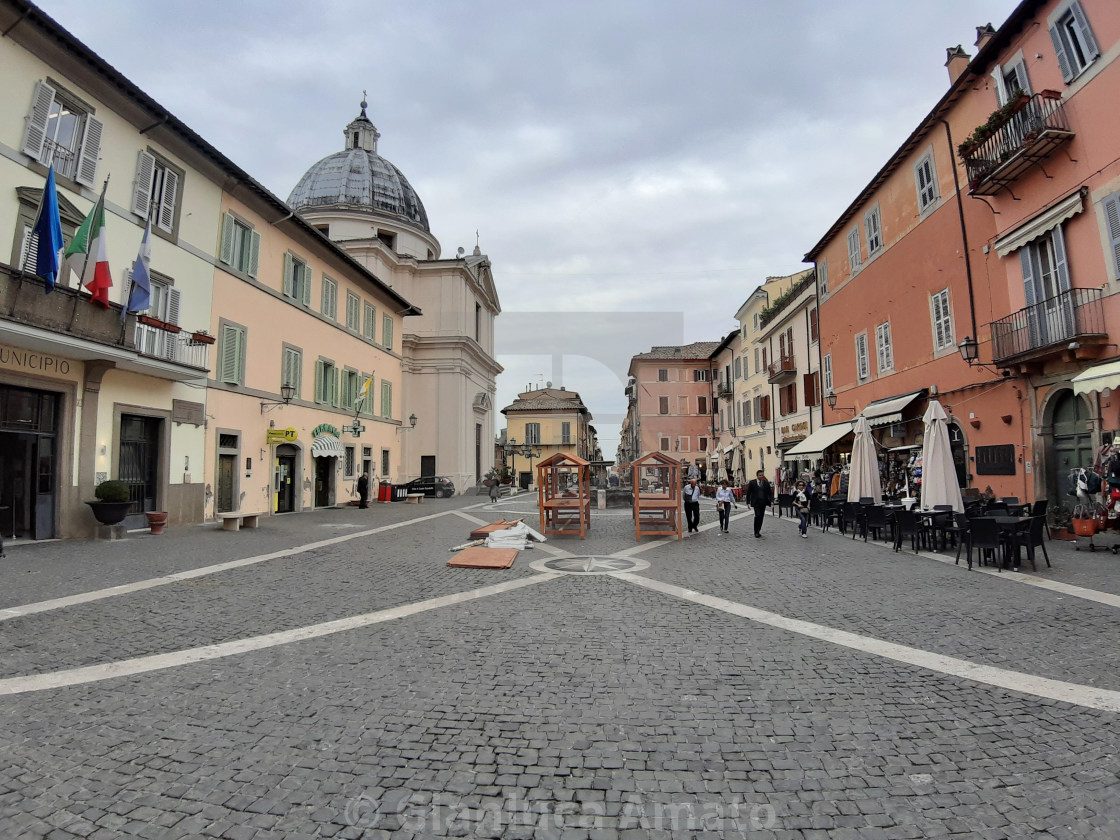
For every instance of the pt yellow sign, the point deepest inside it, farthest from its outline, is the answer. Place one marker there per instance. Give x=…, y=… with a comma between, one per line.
x=280, y=436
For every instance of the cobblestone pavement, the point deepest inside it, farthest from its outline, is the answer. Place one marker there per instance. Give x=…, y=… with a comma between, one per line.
x=328, y=675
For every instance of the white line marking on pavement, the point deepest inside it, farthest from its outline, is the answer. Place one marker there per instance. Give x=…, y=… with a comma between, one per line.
x=137, y=586
x=1078, y=695
x=160, y=661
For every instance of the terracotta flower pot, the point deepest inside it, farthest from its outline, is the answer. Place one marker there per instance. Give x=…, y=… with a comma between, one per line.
x=156, y=520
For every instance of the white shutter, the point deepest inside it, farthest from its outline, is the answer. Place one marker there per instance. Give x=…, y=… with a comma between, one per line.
x=997, y=81
x=1112, y=215
x=166, y=219
x=254, y=253
x=228, y=366
x=288, y=266
x=171, y=340
x=938, y=326
x=36, y=130
x=90, y=152
x=142, y=189
x=225, y=251
x=30, y=241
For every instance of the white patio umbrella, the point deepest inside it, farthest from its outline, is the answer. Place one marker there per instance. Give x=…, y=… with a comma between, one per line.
x=863, y=480
x=939, y=475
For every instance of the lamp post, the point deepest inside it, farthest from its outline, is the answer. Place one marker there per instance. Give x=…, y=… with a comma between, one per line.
x=511, y=450
x=287, y=392
x=527, y=452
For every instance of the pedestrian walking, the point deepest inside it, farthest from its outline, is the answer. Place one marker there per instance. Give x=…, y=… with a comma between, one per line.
x=494, y=490
x=801, y=502
x=725, y=499
x=363, y=490
x=692, y=505
x=760, y=495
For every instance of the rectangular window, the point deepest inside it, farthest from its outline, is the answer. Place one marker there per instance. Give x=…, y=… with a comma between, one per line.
x=61, y=131
x=925, y=177
x=386, y=399
x=387, y=332
x=683, y=444
x=533, y=433
x=478, y=322
x=164, y=305
x=291, y=370
x=822, y=276
x=863, y=363
x=814, y=327
x=872, y=224
x=702, y=446
x=384, y=463
x=662, y=405
x=241, y=245
x=1074, y=43
x=812, y=391
x=297, y=279
x=1010, y=80
x=353, y=312
x=942, y=320
x=351, y=388
x=1045, y=277
x=701, y=375
x=664, y=442
x=662, y=375
x=884, y=348
x=369, y=322
x=787, y=398
x=747, y=412
x=156, y=192
x=1111, y=206
x=326, y=382
x=738, y=368
x=995, y=460
x=756, y=358
x=231, y=365
x=855, y=258
x=329, y=303
x=763, y=408
x=701, y=405
x=682, y=405
x=349, y=462
x=826, y=370
x=565, y=433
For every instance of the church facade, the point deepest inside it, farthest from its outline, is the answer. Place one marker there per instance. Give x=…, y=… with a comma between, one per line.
x=364, y=204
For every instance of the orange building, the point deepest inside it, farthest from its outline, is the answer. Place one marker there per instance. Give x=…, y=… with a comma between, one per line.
x=993, y=232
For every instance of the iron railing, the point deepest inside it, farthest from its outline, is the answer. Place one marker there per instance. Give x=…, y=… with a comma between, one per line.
x=782, y=366
x=179, y=347
x=1025, y=136
x=1057, y=320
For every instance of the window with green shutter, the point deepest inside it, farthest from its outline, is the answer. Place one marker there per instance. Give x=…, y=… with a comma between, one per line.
x=297, y=279
x=353, y=312
x=241, y=245
x=326, y=382
x=292, y=370
x=387, y=332
x=231, y=364
x=370, y=325
x=330, y=299
x=386, y=399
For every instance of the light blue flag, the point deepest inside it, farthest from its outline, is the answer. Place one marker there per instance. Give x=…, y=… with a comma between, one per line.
x=140, y=295
x=48, y=229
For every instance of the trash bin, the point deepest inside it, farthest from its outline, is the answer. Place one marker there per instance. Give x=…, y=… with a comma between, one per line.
x=384, y=492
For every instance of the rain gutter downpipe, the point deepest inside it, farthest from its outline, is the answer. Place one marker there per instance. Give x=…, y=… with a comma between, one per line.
x=964, y=229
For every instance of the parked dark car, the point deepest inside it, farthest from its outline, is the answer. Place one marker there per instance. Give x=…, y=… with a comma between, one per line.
x=432, y=485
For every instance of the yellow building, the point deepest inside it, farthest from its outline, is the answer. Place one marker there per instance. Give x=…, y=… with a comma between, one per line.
x=545, y=422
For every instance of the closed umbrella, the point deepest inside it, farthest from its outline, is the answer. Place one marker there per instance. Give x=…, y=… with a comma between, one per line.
x=939, y=474
x=863, y=480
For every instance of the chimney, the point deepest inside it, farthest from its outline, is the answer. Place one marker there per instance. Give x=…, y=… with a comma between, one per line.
x=983, y=35
x=957, y=61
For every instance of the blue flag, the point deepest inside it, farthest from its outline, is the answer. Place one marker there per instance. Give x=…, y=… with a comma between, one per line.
x=140, y=295
x=48, y=229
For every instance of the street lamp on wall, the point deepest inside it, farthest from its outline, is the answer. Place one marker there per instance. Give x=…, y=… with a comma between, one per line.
x=830, y=398
x=287, y=392
x=411, y=424
x=970, y=352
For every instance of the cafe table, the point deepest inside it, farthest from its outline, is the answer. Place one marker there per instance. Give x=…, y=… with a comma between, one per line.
x=1007, y=526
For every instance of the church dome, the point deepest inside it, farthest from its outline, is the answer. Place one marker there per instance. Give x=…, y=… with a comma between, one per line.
x=358, y=178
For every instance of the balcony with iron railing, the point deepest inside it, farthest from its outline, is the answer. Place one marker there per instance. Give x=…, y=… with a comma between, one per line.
x=1049, y=327
x=1015, y=138
x=724, y=388
x=184, y=348
x=783, y=370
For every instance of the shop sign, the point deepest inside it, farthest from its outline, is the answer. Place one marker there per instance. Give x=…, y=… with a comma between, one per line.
x=281, y=436
x=11, y=357
x=325, y=429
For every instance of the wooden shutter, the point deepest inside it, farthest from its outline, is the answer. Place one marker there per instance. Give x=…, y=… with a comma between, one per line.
x=386, y=399
x=663, y=405
x=166, y=216
x=814, y=328
x=1060, y=263
x=142, y=189
x=1060, y=52
x=325, y=298
x=764, y=407
x=171, y=340
x=90, y=151
x=35, y=133
x=319, y=391
x=826, y=366
x=228, y=366
x=1027, y=264
x=1112, y=216
x=1087, y=39
x=225, y=250
x=808, y=389
x=254, y=253
x=307, y=275
x=289, y=266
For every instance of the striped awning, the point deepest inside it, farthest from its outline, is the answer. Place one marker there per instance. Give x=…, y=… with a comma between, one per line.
x=326, y=446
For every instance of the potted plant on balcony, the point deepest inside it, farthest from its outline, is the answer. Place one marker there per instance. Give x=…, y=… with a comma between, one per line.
x=112, y=502
x=202, y=337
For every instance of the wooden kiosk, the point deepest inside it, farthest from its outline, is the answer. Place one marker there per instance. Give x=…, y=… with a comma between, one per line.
x=657, y=496
x=564, y=494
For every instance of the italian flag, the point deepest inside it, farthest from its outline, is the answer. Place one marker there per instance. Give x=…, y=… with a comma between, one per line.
x=88, y=255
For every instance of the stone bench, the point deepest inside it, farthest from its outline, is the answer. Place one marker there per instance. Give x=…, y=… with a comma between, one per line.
x=415, y=498
x=236, y=520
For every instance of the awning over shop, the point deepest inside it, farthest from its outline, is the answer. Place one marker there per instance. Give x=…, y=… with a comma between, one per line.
x=815, y=445
x=905, y=448
x=1097, y=378
x=886, y=411
x=1040, y=224
x=327, y=446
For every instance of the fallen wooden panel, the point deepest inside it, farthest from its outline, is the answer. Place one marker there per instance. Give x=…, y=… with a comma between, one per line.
x=484, y=531
x=484, y=558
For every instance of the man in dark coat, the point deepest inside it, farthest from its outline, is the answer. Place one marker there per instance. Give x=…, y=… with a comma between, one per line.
x=363, y=490
x=760, y=495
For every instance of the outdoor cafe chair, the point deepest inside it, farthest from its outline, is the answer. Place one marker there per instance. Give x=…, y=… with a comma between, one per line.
x=1039, y=509
x=852, y=516
x=984, y=534
x=960, y=533
x=1029, y=536
x=876, y=522
x=907, y=524
x=785, y=503
x=829, y=514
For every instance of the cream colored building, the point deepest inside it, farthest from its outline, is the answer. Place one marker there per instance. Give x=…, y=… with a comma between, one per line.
x=553, y=420
x=365, y=204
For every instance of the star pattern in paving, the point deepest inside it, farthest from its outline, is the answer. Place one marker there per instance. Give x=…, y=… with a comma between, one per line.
x=591, y=565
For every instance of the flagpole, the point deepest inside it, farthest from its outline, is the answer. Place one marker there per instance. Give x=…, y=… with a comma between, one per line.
x=82, y=274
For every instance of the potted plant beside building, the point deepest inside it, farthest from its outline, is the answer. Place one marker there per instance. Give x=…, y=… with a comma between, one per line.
x=112, y=502
x=157, y=520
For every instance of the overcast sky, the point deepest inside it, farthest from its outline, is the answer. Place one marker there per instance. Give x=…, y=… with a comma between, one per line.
x=644, y=164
